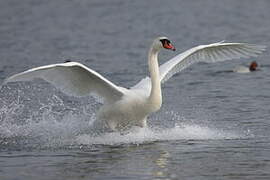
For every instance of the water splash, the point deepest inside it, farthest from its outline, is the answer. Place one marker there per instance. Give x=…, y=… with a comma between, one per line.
x=57, y=122
x=45, y=133
x=73, y=131
x=146, y=135
x=38, y=121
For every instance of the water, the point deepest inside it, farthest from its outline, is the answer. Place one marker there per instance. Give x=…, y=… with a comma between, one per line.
x=214, y=124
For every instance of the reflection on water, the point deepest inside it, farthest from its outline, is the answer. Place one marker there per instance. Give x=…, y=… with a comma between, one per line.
x=162, y=163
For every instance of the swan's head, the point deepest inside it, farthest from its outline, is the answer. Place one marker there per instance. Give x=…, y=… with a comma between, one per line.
x=253, y=66
x=163, y=42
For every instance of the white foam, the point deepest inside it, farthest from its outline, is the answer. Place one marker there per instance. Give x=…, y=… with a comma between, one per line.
x=145, y=135
x=54, y=130
x=48, y=132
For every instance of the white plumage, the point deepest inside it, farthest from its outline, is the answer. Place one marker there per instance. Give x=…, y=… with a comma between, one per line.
x=123, y=107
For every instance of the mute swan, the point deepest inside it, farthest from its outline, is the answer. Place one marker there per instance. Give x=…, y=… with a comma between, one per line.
x=124, y=108
x=243, y=69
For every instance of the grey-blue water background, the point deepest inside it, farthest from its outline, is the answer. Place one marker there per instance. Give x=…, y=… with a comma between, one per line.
x=214, y=124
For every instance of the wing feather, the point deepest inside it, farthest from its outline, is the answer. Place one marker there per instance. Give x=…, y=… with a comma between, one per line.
x=73, y=79
x=208, y=53
x=204, y=53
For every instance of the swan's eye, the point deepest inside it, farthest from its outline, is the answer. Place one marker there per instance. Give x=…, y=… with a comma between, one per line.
x=165, y=41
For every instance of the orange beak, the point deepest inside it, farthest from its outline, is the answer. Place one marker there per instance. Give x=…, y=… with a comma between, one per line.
x=169, y=46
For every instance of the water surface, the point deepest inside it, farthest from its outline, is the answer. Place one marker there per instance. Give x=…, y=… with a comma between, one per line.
x=214, y=124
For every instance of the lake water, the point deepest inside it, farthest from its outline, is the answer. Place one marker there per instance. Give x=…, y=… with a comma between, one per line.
x=214, y=124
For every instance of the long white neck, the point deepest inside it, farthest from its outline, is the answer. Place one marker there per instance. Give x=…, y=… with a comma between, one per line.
x=155, y=98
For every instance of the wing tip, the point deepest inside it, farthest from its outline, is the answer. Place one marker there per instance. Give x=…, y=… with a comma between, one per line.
x=8, y=79
x=257, y=46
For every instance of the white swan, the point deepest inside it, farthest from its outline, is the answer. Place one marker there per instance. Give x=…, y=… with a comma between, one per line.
x=123, y=107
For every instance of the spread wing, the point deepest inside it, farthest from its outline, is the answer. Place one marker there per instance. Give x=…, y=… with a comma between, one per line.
x=73, y=79
x=204, y=53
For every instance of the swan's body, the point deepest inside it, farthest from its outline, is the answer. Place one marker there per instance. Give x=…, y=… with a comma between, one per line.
x=244, y=69
x=123, y=107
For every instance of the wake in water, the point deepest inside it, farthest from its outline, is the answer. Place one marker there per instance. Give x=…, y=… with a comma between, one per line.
x=74, y=131
x=55, y=123
x=146, y=135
